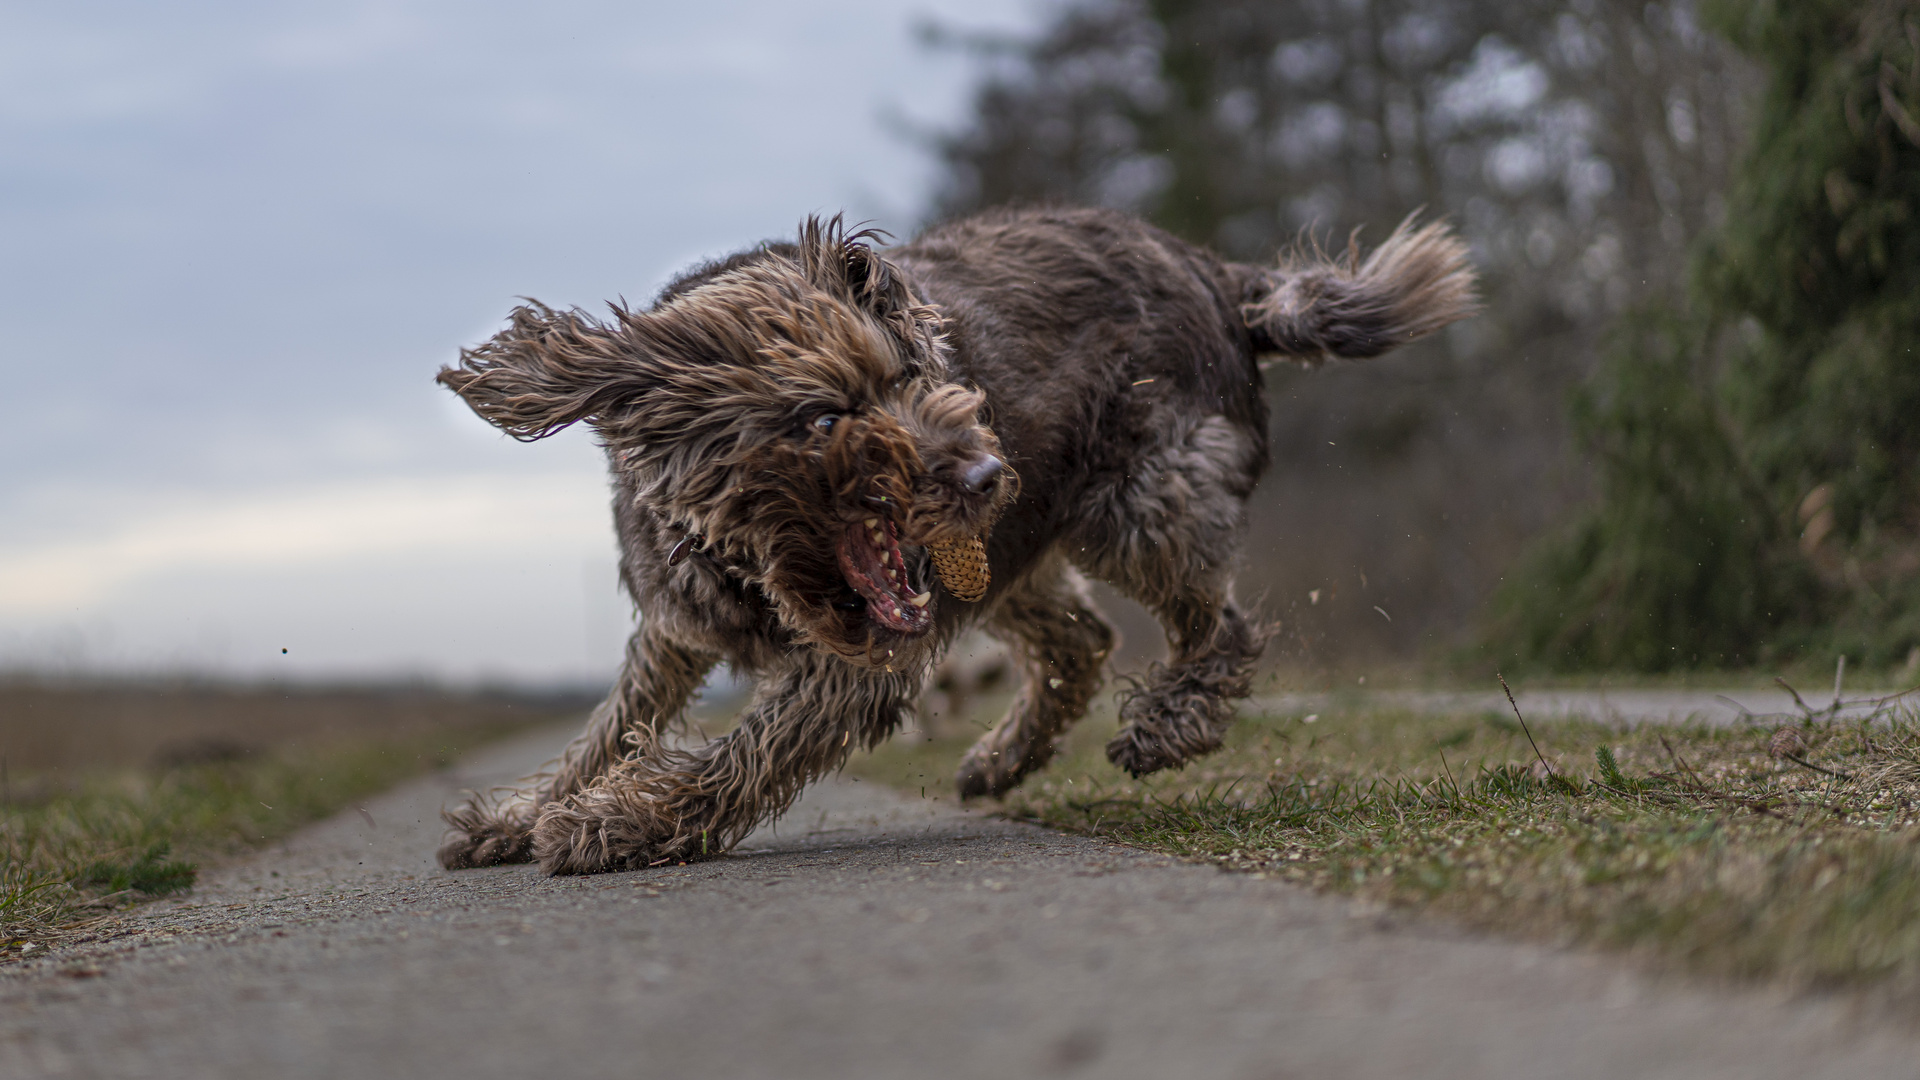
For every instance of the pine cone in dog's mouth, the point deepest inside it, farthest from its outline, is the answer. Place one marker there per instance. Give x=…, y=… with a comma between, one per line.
x=962, y=566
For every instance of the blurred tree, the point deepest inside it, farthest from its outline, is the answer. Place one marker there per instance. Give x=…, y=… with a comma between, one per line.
x=1682, y=557
x=1578, y=147
x=1760, y=464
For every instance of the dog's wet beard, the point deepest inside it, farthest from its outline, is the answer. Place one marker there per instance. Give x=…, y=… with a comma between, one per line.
x=876, y=568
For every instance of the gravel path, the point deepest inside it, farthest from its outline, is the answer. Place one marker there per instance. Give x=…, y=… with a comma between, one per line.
x=870, y=936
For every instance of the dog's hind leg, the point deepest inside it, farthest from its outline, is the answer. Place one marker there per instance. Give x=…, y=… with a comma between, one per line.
x=1061, y=641
x=1165, y=536
x=667, y=804
x=1187, y=704
x=655, y=683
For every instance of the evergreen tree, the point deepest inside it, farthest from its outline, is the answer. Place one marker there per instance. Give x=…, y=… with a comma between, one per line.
x=1758, y=442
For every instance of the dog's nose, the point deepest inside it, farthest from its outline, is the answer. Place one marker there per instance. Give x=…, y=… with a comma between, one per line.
x=984, y=470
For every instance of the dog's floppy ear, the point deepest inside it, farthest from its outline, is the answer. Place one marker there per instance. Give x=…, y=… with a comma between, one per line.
x=546, y=370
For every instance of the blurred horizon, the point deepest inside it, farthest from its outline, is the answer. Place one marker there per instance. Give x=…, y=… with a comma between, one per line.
x=242, y=242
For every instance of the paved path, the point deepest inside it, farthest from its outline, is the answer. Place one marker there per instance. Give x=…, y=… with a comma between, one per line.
x=1632, y=706
x=871, y=936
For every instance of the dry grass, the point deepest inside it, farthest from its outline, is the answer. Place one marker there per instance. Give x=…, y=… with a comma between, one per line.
x=53, y=728
x=212, y=772
x=1784, y=847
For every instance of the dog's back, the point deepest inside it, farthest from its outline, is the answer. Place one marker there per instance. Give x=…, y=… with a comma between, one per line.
x=1092, y=334
x=1122, y=364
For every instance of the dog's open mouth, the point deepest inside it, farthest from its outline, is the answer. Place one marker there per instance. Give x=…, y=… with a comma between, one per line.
x=872, y=563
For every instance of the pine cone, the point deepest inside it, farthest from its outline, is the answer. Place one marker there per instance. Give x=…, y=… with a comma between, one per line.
x=1786, y=742
x=962, y=566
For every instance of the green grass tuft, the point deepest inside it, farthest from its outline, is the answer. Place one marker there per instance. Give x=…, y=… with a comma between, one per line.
x=151, y=873
x=1610, y=773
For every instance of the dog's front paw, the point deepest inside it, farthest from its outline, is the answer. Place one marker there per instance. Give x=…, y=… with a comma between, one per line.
x=586, y=834
x=489, y=845
x=485, y=834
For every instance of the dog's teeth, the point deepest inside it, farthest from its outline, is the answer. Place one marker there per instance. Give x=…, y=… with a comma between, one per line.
x=920, y=600
x=872, y=523
x=892, y=574
x=879, y=537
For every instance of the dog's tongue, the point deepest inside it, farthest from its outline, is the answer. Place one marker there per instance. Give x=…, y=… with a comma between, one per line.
x=962, y=566
x=871, y=562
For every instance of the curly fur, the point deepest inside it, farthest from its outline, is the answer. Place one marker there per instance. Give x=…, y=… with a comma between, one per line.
x=789, y=422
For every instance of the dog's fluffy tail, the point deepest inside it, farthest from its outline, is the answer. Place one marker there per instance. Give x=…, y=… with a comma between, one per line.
x=1312, y=308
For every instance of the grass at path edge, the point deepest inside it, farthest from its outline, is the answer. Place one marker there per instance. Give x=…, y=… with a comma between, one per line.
x=1785, y=848
x=126, y=837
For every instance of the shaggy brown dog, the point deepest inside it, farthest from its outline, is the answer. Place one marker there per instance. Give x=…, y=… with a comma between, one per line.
x=802, y=434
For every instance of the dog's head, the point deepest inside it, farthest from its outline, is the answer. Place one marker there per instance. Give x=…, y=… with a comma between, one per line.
x=789, y=412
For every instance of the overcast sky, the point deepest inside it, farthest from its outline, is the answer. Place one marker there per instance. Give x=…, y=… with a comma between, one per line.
x=238, y=239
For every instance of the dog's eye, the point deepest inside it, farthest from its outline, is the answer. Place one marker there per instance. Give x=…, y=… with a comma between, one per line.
x=826, y=422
